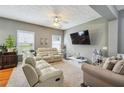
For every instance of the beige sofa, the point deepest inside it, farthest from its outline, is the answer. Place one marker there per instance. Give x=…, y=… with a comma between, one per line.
x=49, y=54
x=96, y=76
x=41, y=74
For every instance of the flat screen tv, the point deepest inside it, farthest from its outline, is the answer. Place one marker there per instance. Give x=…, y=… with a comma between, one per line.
x=80, y=37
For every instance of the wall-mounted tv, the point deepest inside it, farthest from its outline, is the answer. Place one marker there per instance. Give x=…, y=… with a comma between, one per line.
x=81, y=37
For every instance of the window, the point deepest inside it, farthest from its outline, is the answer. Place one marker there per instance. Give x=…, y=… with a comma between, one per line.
x=25, y=41
x=56, y=41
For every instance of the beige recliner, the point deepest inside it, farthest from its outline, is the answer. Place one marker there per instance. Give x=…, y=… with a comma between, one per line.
x=41, y=74
x=49, y=54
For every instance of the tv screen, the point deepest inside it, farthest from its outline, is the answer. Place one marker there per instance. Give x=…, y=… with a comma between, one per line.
x=80, y=37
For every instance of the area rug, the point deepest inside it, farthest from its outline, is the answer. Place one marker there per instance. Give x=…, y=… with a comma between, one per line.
x=73, y=75
x=4, y=76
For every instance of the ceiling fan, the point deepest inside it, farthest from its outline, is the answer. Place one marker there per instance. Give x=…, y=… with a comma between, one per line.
x=57, y=22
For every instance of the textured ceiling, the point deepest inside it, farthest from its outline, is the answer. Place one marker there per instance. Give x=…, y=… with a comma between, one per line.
x=43, y=15
x=119, y=7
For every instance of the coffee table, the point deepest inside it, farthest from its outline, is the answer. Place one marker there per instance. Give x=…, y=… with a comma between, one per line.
x=77, y=62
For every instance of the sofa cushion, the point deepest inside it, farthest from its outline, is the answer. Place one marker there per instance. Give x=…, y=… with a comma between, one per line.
x=38, y=58
x=31, y=61
x=122, y=71
x=57, y=56
x=42, y=64
x=53, y=49
x=40, y=61
x=105, y=65
x=119, y=67
x=109, y=64
x=42, y=53
x=113, y=58
x=49, y=72
x=54, y=52
x=38, y=71
x=116, y=57
x=46, y=57
x=41, y=49
x=119, y=57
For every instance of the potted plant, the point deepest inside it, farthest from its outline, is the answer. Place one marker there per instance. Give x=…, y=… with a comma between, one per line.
x=3, y=49
x=9, y=43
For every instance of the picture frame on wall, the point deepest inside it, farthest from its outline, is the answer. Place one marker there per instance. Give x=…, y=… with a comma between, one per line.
x=41, y=41
x=45, y=41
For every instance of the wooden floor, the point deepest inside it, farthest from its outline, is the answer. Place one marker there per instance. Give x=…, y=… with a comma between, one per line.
x=4, y=76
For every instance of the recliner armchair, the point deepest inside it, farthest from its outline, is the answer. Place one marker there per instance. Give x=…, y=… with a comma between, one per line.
x=41, y=74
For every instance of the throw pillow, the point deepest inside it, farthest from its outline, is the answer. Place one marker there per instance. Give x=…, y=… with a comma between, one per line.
x=105, y=65
x=109, y=64
x=113, y=58
x=119, y=67
x=119, y=57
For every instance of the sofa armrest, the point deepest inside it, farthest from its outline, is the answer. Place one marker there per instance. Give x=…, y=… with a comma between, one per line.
x=104, y=75
x=31, y=74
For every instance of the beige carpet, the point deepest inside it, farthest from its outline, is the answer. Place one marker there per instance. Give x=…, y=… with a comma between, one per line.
x=72, y=75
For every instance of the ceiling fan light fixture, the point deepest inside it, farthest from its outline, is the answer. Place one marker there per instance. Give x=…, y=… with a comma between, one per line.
x=56, y=19
x=56, y=22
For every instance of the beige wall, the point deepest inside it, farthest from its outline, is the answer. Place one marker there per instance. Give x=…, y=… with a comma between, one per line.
x=10, y=27
x=121, y=32
x=113, y=37
x=98, y=30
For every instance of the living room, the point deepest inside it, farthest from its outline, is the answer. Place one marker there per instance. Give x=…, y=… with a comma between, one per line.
x=61, y=46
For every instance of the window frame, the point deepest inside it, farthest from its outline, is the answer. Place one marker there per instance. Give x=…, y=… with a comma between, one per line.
x=60, y=41
x=17, y=42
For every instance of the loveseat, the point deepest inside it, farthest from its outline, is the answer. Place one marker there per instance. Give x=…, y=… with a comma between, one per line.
x=41, y=74
x=96, y=76
x=49, y=54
